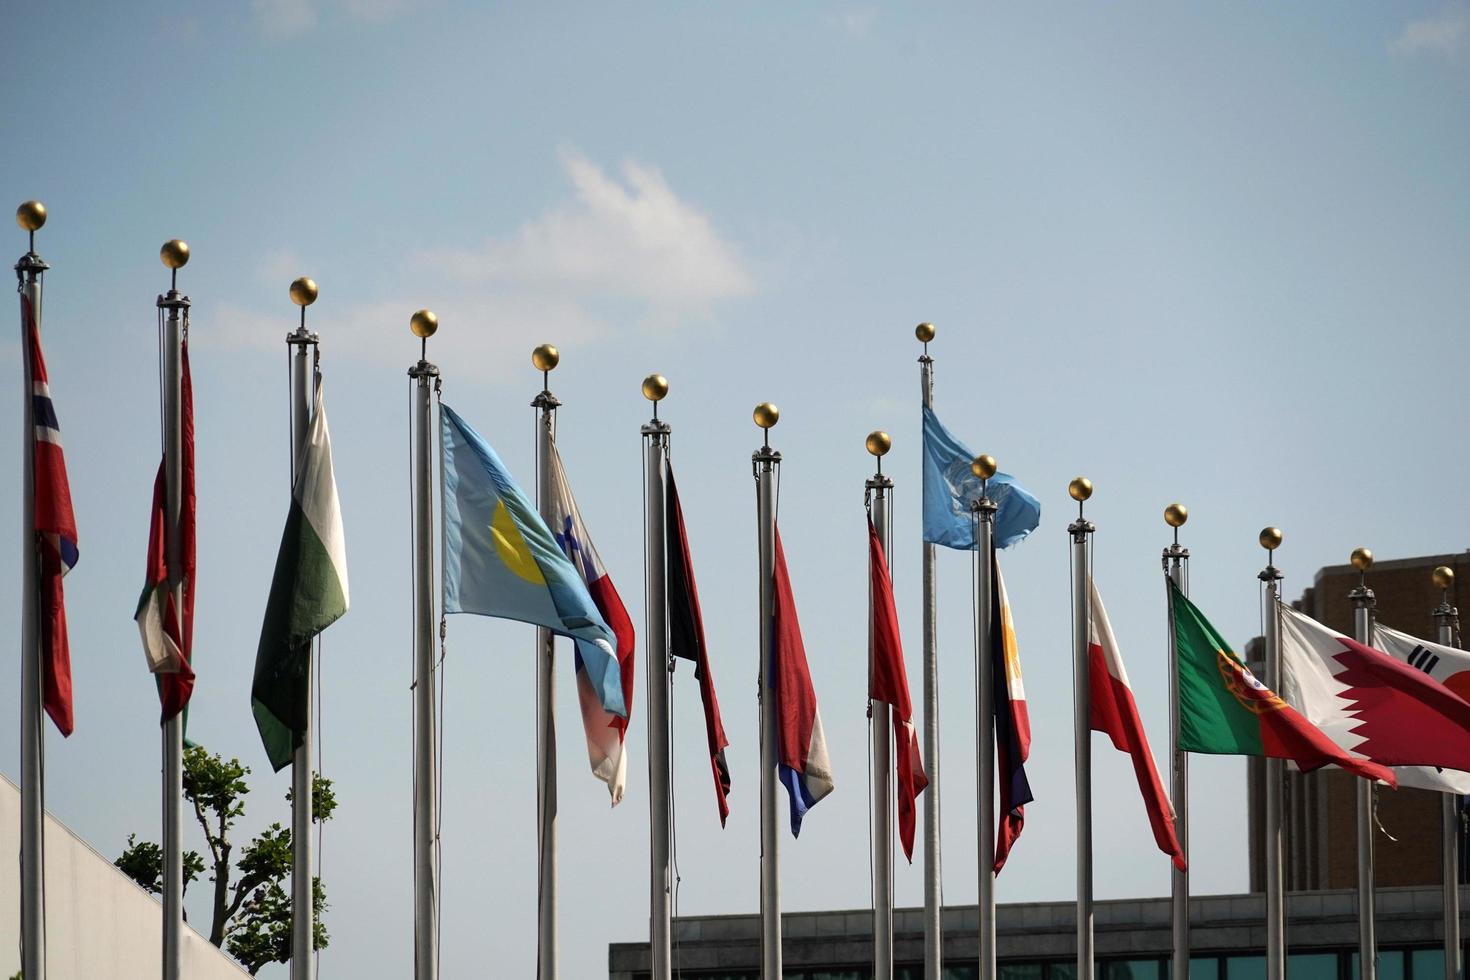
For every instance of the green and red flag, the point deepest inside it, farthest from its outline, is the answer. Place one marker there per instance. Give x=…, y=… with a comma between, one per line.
x=1224, y=710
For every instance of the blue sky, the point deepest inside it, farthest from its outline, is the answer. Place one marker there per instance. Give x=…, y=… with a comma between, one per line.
x=1212, y=255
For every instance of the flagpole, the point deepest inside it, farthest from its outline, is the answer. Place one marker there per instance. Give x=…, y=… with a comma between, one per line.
x=1447, y=619
x=766, y=463
x=545, y=359
x=1363, y=602
x=1080, y=489
x=303, y=911
x=933, y=894
x=1270, y=539
x=984, y=510
x=30, y=272
x=659, y=669
x=424, y=324
x=876, y=489
x=1176, y=566
x=174, y=254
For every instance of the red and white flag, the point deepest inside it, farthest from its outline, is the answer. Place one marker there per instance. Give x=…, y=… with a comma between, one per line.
x=1369, y=703
x=1113, y=712
x=1451, y=667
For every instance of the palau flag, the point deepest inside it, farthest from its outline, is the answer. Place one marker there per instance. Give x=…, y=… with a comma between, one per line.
x=949, y=488
x=501, y=560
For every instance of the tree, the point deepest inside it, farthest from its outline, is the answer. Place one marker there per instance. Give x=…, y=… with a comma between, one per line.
x=251, y=908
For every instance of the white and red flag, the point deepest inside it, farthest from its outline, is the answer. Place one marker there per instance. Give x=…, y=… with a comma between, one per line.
x=1112, y=711
x=1369, y=703
x=1451, y=667
x=801, y=749
x=605, y=730
x=55, y=529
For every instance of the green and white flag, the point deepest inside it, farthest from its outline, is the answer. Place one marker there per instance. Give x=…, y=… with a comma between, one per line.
x=308, y=594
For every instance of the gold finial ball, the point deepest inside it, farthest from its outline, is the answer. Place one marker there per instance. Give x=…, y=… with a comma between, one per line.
x=175, y=253
x=1362, y=559
x=983, y=466
x=1444, y=576
x=766, y=415
x=879, y=442
x=655, y=387
x=1175, y=515
x=31, y=215
x=925, y=332
x=423, y=324
x=1270, y=538
x=1080, y=488
x=546, y=357
x=303, y=291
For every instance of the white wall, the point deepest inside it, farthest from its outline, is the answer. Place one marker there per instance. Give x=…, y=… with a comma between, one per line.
x=99, y=923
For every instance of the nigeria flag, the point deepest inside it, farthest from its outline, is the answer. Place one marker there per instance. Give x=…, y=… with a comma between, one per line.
x=308, y=594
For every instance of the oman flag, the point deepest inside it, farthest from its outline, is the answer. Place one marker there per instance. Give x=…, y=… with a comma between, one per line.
x=1224, y=710
x=1114, y=713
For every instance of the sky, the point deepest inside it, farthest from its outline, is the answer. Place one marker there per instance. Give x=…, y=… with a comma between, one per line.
x=1207, y=254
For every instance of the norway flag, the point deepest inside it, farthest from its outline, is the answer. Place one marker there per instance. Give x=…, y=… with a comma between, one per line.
x=801, y=748
x=55, y=529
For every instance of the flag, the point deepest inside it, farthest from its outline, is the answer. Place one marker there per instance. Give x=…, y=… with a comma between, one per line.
x=1113, y=712
x=1224, y=710
x=167, y=630
x=1012, y=722
x=888, y=682
x=308, y=594
x=1451, y=667
x=501, y=560
x=686, y=637
x=55, y=529
x=950, y=487
x=801, y=748
x=605, y=730
x=1367, y=702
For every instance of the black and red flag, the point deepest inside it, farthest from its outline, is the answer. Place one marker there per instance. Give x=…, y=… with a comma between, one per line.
x=686, y=638
x=55, y=530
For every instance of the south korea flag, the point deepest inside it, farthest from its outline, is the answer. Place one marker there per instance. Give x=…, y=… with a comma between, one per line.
x=1449, y=666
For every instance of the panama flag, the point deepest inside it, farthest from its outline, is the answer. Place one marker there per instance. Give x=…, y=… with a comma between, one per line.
x=308, y=594
x=605, y=730
x=1369, y=703
x=888, y=683
x=168, y=631
x=1451, y=667
x=55, y=529
x=1114, y=713
x=501, y=560
x=1012, y=723
x=801, y=748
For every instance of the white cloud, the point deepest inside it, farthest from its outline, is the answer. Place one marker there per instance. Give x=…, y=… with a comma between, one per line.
x=1443, y=32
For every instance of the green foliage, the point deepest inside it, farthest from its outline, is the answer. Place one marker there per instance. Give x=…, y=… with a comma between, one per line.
x=142, y=861
x=263, y=929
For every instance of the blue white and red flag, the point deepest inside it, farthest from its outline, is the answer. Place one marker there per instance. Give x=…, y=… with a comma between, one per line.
x=801, y=749
x=1012, y=724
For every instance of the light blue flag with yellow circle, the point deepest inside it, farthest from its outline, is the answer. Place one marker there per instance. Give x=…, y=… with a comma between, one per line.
x=501, y=560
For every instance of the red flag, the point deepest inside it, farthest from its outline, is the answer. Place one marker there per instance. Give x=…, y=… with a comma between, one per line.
x=888, y=682
x=55, y=529
x=801, y=748
x=1113, y=712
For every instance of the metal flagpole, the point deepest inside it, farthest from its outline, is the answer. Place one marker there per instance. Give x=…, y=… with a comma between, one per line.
x=174, y=254
x=1270, y=539
x=984, y=510
x=1447, y=619
x=1080, y=489
x=1176, y=566
x=875, y=492
x=933, y=893
x=30, y=272
x=766, y=464
x=545, y=359
x=425, y=762
x=303, y=910
x=1363, y=602
x=659, y=670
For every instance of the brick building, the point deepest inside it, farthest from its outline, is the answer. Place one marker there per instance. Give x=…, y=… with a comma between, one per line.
x=1319, y=810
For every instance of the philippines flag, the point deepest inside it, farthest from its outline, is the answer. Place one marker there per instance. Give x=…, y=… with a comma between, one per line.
x=55, y=529
x=1012, y=723
x=801, y=749
x=605, y=730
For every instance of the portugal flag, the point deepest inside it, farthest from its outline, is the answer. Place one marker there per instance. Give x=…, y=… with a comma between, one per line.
x=1224, y=710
